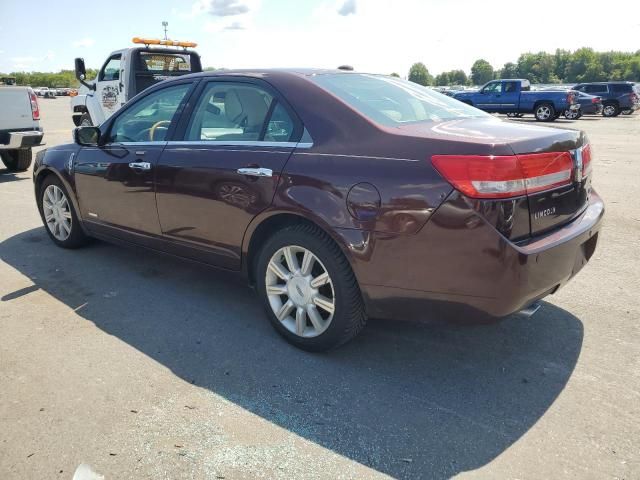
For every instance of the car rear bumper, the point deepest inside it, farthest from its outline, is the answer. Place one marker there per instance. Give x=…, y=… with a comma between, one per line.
x=593, y=109
x=17, y=140
x=464, y=270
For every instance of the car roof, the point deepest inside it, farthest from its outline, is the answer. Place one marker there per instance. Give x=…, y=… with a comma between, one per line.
x=278, y=72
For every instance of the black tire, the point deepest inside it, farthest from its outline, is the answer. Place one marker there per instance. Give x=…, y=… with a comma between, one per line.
x=77, y=237
x=85, y=120
x=627, y=111
x=349, y=317
x=17, y=160
x=610, y=110
x=545, y=112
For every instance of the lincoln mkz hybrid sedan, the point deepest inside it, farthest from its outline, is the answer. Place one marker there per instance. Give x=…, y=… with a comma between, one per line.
x=339, y=195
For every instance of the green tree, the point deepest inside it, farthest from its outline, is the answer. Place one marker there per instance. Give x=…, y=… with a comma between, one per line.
x=458, y=77
x=394, y=74
x=443, y=79
x=420, y=75
x=481, y=72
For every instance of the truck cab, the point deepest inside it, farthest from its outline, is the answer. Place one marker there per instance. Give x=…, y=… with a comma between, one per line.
x=127, y=72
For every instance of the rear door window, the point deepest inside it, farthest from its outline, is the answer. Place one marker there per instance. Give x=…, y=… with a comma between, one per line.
x=239, y=112
x=621, y=88
x=597, y=89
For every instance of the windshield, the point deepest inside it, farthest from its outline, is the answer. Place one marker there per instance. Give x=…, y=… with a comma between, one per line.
x=393, y=102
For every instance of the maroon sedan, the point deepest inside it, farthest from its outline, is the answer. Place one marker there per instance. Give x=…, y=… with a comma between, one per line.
x=339, y=195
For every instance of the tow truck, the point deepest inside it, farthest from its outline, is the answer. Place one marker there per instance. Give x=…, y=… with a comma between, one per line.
x=126, y=73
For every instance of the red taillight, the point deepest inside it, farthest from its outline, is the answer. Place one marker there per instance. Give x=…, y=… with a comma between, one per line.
x=35, y=110
x=570, y=98
x=505, y=176
x=595, y=100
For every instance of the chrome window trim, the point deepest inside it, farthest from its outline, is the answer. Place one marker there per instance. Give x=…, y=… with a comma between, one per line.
x=240, y=143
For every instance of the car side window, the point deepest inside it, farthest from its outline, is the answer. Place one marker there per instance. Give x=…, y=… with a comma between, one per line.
x=510, y=87
x=149, y=119
x=228, y=111
x=111, y=70
x=494, y=87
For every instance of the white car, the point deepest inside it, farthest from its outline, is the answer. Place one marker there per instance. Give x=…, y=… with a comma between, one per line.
x=19, y=127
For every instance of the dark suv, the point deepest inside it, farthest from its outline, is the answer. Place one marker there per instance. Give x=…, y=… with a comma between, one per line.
x=617, y=97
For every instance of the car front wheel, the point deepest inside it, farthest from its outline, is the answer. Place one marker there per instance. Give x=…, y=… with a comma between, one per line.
x=572, y=114
x=59, y=216
x=309, y=291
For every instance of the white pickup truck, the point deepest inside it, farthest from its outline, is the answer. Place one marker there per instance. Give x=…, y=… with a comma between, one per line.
x=19, y=126
x=126, y=73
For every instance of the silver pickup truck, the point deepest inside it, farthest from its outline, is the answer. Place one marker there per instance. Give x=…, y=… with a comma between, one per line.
x=19, y=126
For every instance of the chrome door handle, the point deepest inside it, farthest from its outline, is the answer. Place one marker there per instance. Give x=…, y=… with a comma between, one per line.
x=256, y=172
x=140, y=165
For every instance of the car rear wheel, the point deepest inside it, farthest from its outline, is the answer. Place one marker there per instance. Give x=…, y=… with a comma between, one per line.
x=16, y=160
x=58, y=215
x=545, y=113
x=610, y=110
x=308, y=289
x=627, y=111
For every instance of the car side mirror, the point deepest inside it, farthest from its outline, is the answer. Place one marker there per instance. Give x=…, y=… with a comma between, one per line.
x=81, y=73
x=87, y=136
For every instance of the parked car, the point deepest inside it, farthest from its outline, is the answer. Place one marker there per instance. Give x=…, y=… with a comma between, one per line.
x=19, y=127
x=381, y=198
x=44, y=92
x=515, y=96
x=589, y=105
x=617, y=97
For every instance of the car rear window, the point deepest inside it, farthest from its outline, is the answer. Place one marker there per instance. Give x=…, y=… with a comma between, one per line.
x=621, y=87
x=165, y=62
x=391, y=101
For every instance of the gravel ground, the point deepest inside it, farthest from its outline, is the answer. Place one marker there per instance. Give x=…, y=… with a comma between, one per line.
x=141, y=366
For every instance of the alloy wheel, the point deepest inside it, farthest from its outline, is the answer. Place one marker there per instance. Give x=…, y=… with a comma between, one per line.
x=57, y=212
x=609, y=110
x=300, y=291
x=543, y=112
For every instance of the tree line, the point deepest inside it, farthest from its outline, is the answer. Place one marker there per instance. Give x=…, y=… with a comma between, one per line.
x=63, y=79
x=563, y=66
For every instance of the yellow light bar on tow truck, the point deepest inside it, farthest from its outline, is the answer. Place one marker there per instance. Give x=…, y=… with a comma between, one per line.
x=169, y=43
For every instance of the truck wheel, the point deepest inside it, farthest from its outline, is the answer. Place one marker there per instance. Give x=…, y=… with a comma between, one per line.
x=610, y=110
x=545, y=112
x=85, y=120
x=309, y=291
x=17, y=160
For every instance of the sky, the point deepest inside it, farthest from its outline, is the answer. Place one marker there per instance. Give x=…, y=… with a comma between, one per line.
x=372, y=35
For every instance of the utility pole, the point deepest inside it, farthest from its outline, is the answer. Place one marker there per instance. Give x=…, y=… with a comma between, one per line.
x=165, y=24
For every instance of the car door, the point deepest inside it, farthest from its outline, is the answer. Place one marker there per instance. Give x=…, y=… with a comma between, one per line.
x=490, y=98
x=115, y=181
x=236, y=139
x=109, y=87
x=509, y=99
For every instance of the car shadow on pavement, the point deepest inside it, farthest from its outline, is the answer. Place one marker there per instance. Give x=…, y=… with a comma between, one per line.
x=409, y=400
x=7, y=176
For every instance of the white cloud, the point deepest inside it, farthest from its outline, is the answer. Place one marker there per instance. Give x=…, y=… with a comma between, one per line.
x=235, y=26
x=49, y=56
x=349, y=7
x=227, y=8
x=85, y=42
